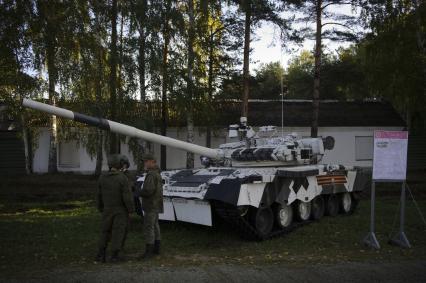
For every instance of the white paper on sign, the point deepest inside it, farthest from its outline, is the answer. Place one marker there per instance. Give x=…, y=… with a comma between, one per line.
x=390, y=155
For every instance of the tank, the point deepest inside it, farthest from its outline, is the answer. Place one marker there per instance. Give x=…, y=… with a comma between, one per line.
x=264, y=184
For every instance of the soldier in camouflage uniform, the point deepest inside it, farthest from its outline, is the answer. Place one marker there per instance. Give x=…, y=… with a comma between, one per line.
x=114, y=201
x=124, y=167
x=152, y=205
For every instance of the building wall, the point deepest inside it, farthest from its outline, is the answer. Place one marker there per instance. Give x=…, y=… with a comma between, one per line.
x=177, y=158
x=41, y=152
x=343, y=153
x=85, y=163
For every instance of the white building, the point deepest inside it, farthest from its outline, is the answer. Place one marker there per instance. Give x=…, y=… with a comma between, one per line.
x=351, y=124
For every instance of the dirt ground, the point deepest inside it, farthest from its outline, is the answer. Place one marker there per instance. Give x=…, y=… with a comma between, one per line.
x=407, y=271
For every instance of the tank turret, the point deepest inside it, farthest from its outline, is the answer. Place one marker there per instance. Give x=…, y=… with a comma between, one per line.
x=249, y=148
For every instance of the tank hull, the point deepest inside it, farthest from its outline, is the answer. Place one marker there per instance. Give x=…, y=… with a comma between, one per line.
x=259, y=201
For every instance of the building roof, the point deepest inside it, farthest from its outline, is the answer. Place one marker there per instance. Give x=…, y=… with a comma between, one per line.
x=331, y=114
x=297, y=113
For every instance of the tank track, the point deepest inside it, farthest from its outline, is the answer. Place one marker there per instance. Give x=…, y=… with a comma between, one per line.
x=232, y=216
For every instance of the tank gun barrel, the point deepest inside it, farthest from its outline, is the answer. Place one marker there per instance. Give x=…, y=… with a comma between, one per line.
x=122, y=129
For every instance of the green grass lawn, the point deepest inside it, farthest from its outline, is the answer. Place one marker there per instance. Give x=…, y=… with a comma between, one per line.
x=37, y=235
x=56, y=233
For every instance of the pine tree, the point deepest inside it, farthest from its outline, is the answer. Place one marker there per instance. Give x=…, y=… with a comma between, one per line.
x=319, y=13
x=255, y=12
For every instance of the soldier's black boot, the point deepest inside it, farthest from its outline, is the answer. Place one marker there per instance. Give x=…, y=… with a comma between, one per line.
x=149, y=252
x=115, y=257
x=100, y=257
x=157, y=247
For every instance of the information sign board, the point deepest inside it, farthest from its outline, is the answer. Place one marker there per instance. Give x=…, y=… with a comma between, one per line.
x=390, y=155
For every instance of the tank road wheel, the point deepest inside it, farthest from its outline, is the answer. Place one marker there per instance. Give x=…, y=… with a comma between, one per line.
x=318, y=208
x=332, y=207
x=347, y=203
x=263, y=220
x=303, y=210
x=283, y=215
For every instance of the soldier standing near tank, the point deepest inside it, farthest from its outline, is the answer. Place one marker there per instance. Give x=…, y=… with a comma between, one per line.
x=114, y=201
x=124, y=167
x=152, y=205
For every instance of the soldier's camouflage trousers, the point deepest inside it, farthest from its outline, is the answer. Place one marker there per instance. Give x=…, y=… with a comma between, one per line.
x=114, y=225
x=151, y=227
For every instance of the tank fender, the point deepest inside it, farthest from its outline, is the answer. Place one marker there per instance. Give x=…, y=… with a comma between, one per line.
x=252, y=194
x=227, y=191
x=269, y=194
x=237, y=191
x=283, y=187
x=287, y=190
x=297, y=188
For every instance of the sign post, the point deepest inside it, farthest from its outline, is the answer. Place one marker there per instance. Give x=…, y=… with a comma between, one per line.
x=370, y=240
x=389, y=165
x=400, y=239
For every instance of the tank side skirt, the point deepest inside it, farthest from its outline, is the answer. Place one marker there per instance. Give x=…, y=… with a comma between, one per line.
x=303, y=186
x=278, y=191
x=283, y=190
x=227, y=191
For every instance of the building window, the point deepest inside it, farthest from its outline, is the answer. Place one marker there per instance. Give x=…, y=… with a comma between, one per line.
x=363, y=148
x=69, y=155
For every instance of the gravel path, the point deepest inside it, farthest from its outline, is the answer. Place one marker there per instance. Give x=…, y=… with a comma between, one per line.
x=408, y=271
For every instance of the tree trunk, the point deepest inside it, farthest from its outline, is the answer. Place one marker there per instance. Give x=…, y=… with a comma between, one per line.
x=120, y=67
x=99, y=152
x=25, y=134
x=141, y=69
x=246, y=62
x=210, y=90
x=51, y=70
x=113, y=76
x=317, y=70
x=98, y=96
x=190, y=84
x=421, y=40
x=141, y=57
x=26, y=139
x=120, y=76
x=164, y=112
x=210, y=77
x=98, y=86
x=144, y=146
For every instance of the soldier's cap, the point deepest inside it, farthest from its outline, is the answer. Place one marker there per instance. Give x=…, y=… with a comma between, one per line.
x=124, y=160
x=114, y=161
x=148, y=156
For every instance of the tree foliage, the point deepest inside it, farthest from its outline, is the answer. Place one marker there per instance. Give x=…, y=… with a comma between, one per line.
x=190, y=58
x=395, y=56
